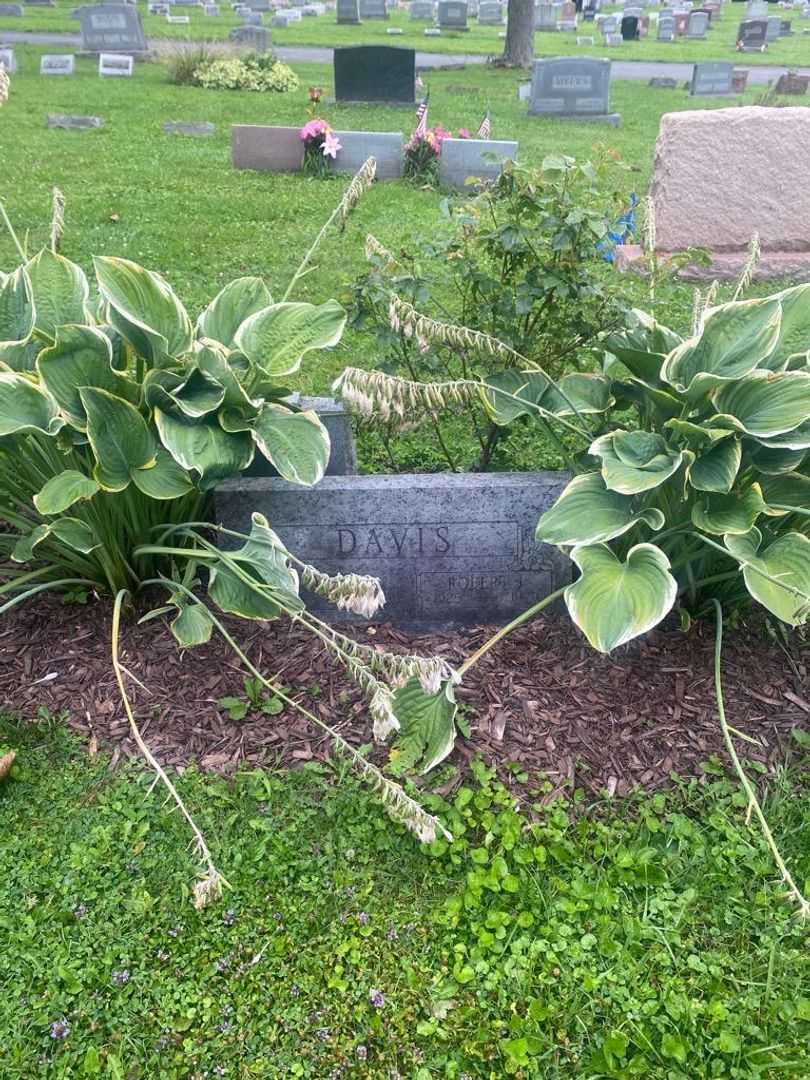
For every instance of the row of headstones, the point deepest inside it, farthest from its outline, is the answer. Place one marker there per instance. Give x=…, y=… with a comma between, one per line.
x=109, y=64
x=714, y=79
x=448, y=14
x=280, y=150
x=66, y=122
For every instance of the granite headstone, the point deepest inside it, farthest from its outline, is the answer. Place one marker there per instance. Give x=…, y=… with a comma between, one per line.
x=490, y=13
x=375, y=73
x=348, y=13
x=710, y=79
x=452, y=15
x=64, y=64
x=460, y=159
x=373, y=9
x=111, y=28
x=572, y=88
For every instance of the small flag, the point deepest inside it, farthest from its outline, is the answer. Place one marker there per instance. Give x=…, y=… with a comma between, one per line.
x=485, y=131
x=421, y=118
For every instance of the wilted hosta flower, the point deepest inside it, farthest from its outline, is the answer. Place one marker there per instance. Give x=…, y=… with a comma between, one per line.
x=357, y=593
x=375, y=395
x=207, y=889
x=381, y=707
x=5, y=85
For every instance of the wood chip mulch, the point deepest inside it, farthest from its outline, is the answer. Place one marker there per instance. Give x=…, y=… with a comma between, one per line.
x=541, y=698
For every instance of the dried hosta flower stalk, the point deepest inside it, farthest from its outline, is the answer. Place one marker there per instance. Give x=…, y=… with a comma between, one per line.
x=404, y=316
x=6, y=760
x=358, y=593
x=649, y=224
x=5, y=85
x=361, y=182
x=208, y=888
x=374, y=395
x=374, y=247
x=751, y=263
x=57, y=219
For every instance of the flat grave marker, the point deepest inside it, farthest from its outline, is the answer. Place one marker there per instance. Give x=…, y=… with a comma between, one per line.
x=460, y=159
x=73, y=123
x=64, y=64
x=9, y=11
x=184, y=127
x=358, y=146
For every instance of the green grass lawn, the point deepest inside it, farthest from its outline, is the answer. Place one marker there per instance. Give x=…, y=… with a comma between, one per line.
x=481, y=40
x=637, y=939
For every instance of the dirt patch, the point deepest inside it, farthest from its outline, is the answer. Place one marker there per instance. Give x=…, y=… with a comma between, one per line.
x=542, y=698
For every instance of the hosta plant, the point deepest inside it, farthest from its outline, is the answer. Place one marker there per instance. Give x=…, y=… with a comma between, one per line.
x=119, y=414
x=692, y=486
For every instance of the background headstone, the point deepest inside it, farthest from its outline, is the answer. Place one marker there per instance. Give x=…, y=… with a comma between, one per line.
x=254, y=37
x=449, y=549
x=348, y=13
x=422, y=11
x=452, y=15
x=490, y=13
x=111, y=28
x=572, y=88
x=373, y=9
x=698, y=25
x=11, y=10
x=666, y=27
x=358, y=146
x=113, y=65
x=184, y=127
x=64, y=64
x=629, y=29
x=463, y=158
x=774, y=27
x=752, y=35
x=8, y=60
x=711, y=79
x=384, y=73
x=792, y=83
x=266, y=149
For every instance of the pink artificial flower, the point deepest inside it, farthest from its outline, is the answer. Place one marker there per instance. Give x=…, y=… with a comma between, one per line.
x=464, y=134
x=312, y=129
x=330, y=144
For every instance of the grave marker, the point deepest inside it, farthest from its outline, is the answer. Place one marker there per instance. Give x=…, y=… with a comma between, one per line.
x=630, y=30
x=113, y=65
x=348, y=13
x=266, y=149
x=452, y=15
x=666, y=27
x=774, y=26
x=358, y=146
x=450, y=549
x=11, y=11
x=752, y=35
x=460, y=159
x=64, y=64
x=422, y=11
x=697, y=25
x=572, y=88
x=184, y=127
x=178, y=20
x=8, y=60
x=373, y=9
x=112, y=28
x=375, y=73
x=73, y=123
x=490, y=13
x=711, y=79
x=256, y=38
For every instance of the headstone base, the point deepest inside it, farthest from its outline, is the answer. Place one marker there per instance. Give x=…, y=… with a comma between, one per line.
x=788, y=265
x=614, y=119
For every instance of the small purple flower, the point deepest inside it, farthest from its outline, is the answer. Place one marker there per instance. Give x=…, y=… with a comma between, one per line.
x=120, y=978
x=295, y=990
x=392, y=934
x=80, y=912
x=350, y=890
x=229, y=918
x=277, y=916
x=221, y=965
x=224, y=1027
x=362, y=918
x=60, y=1029
x=175, y=930
x=362, y=1052
x=162, y=955
x=377, y=998
x=162, y=1042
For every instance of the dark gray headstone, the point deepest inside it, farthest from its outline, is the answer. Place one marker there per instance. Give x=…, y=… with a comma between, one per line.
x=111, y=28
x=252, y=18
x=452, y=15
x=422, y=10
x=382, y=73
x=254, y=37
x=572, y=88
x=666, y=27
x=373, y=9
x=490, y=13
x=752, y=34
x=74, y=123
x=460, y=159
x=183, y=127
x=449, y=549
x=785, y=28
x=698, y=25
x=8, y=59
x=774, y=27
x=630, y=28
x=348, y=12
x=11, y=10
x=711, y=79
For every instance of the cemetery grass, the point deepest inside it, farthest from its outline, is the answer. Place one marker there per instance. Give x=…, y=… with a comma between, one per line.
x=323, y=31
x=174, y=203
x=625, y=938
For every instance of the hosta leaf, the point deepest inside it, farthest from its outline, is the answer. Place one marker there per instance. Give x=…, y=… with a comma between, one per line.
x=81, y=356
x=214, y=361
x=735, y=514
x=192, y=626
x=267, y=559
x=529, y=386
x=794, y=327
x=144, y=308
x=785, y=592
x=643, y=347
x=60, y=290
x=774, y=460
x=766, y=404
x=427, y=727
x=198, y=395
x=229, y=309
x=587, y=513
x=164, y=480
x=585, y=394
x=297, y=444
x=612, y=601
x=276, y=338
x=25, y=407
x=796, y=439
x=733, y=339
x=635, y=461
x=63, y=490
x=17, y=313
x=119, y=436
x=76, y=534
x=792, y=489
x=202, y=446
x=716, y=469
x=697, y=436
x=23, y=550
x=665, y=402
x=235, y=597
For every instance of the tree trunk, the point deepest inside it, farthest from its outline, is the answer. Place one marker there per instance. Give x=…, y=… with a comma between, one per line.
x=519, y=48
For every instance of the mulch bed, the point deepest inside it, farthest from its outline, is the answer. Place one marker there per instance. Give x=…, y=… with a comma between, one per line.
x=541, y=698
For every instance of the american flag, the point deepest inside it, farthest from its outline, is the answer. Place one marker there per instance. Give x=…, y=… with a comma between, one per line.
x=421, y=118
x=485, y=131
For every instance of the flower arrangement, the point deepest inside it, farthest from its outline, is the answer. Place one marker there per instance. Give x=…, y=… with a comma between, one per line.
x=422, y=152
x=252, y=72
x=320, y=144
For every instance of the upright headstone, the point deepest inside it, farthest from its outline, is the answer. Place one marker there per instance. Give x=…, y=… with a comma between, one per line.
x=545, y=16
x=11, y=10
x=609, y=25
x=422, y=10
x=698, y=24
x=720, y=175
x=774, y=27
x=348, y=12
x=452, y=15
x=785, y=28
x=386, y=147
x=568, y=16
x=752, y=35
x=572, y=88
x=490, y=13
x=256, y=38
x=373, y=9
x=383, y=73
x=57, y=65
x=630, y=28
x=8, y=59
x=757, y=9
x=792, y=83
x=111, y=28
x=481, y=159
x=711, y=79
x=211, y=10
x=666, y=27
x=252, y=18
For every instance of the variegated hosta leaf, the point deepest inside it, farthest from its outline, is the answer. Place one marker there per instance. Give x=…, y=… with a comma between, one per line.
x=578, y=393
x=63, y=490
x=262, y=558
x=716, y=469
x=26, y=407
x=698, y=436
x=734, y=514
x=796, y=439
x=276, y=338
x=773, y=460
x=192, y=625
x=72, y=532
x=635, y=461
x=234, y=596
x=264, y=552
x=144, y=308
x=791, y=489
x=612, y=601
x=794, y=327
x=23, y=550
x=202, y=447
x=197, y=395
x=733, y=339
x=766, y=404
x=427, y=729
x=643, y=347
x=529, y=386
x=587, y=513
x=296, y=443
x=229, y=309
x=17, y=311
x=81, y=356
x=61, y=292
x=164, y=480
x=215, y=362
x=119, y=436
x=785, y=592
